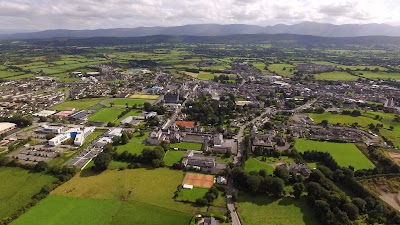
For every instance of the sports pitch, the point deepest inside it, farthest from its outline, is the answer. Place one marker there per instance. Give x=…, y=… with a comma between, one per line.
x=199, y=180
x=144, y=96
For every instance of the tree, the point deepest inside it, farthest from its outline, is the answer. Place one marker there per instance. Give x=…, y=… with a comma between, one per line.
x=282, y=173
x=298, y=189
x=351, y=210
x=41, y=166
x=124, y=138
x=360, y=203
x=325, y=123
x=102, y=161
x=50, y=136
x=112, y=104
x=277, y=187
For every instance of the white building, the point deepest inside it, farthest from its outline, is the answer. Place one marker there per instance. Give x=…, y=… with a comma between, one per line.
x=51, y=129
x=57, y=140
x=103, y=141
x=82, y=135
x=44, y=113
x=116, y=132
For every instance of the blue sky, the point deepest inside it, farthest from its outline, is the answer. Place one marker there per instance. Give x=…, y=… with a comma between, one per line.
x=93, y=14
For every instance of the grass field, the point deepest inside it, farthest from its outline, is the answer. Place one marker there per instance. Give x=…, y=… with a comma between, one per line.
x=135, y=145
x=285, y=70
x=205, y=75
x=106, y=115
x=172, y=157
x=345, y=154
x=18, y=187
x=63, y=210
x=342, y=119
x=143, y=96
x=187, y=195
x=342, y=76
x=253, y=164
x=130, y=113
x=261, y=210
x=187, y=146
x=156, y=187
x=379, y=75
x=78, y=104
x=124, y=101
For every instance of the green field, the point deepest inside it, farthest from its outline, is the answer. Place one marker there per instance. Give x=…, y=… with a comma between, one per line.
x=124, y=101
x=130, y=113
x=256, y=165
x=18, y=187
x=342, y=119
x=172, y=157
x=78, y=104
x=63, y=210
x=379, y=75
x=333, y=76
x=156, y=187
x=135, y=145
x=187, y=195
x=106, y=115
x=345, y=154
x=144, y=96
x=256, y=210
x=285, y=70
x=187, y=145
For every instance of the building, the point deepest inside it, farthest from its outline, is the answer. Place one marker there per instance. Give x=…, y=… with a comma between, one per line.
x=303, y=169
x=44, y=113
x=171, y=98
x=103, y=141
x=50, y=129
x=5, y=127
x=116, y=132
x=57, y=140
x=155, y=138
x=82, y=135
x=198, y=159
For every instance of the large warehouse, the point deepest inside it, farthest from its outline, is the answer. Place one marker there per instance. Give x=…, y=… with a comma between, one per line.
x=5, y=127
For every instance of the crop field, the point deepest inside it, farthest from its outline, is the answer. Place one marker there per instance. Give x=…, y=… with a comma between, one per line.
x=343, y=76
x=256, y=165
x=106, y=115
x=130, y=185
x=63, y=210
x=135, y=145
x=18, y=187
x=255, y=210
x=285, y=70
x=345, y=154
x=144, y=96
x=78, y=104
x=187, y=195
x=172, y=157
x=187, y=146
x=124, y=101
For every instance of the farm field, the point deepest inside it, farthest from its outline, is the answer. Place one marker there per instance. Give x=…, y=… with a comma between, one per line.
x=131, y=185
x=379, y=75
x=255, y=210
x=253, y=164
x=135, y=145
x=78, y=104
x=342, y=119
x=282, y=69
x=187, y=195
x=187, y=145
x=20, y=186
x=124, y=101
x=106, y=115
x=343, y=76
x=345, y=154
x=172, y=157
x=144, y=96
x=204, y=75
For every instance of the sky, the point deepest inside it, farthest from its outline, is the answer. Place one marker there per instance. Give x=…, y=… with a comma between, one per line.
x=95, y=14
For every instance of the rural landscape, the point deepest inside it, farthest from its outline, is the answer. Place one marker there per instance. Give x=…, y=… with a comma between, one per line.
x=204, y=124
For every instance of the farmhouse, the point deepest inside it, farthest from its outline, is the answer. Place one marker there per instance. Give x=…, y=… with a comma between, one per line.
x=5, y=127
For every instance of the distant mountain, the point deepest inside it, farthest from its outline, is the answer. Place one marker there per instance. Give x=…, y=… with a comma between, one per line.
x=305, y=28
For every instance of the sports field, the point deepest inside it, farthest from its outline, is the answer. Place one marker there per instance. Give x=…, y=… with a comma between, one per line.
x=198, y=180
x=124, y=101
x=187, y=146
x=172, y=157
x=18, y=186
x=106, y=115
x=256, y=210
x=144, y=96
x=78, y=104
x=345, y=154
x=187, y=195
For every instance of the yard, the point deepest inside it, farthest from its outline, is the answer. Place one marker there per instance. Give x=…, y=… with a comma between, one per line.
x=77, y=104
x=106, y=115
x=187, y=146
x=255, y=210
x=345, y=154
x=135, y=145
x=18, y=187
x=172, y=157
x=256, y=165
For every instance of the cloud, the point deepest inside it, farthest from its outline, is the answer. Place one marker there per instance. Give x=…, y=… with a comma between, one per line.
x=93, y=14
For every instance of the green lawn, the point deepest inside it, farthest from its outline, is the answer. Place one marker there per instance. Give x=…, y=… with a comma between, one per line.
x=336, y=76
x=135, y=145
x=130, y=113
x=124, y=101
x=106, y=115
x=253, y=164
x=345, y=154
x=78, y=104
x=256, y=210
x=63, y=210
x=172, y=157
x=188, y=195
x=187, y=146
x=18, y=187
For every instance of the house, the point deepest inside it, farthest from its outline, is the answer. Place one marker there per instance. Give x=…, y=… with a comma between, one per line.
x=209, y=221
x=221, y=180
x=156, y=137
x=301, y=168
x=219, y=145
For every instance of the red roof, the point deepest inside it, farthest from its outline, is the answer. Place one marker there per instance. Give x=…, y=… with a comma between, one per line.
x=183, y=123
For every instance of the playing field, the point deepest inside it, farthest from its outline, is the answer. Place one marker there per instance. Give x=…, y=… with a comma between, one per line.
x=17, y=188
x=198, y=180
x=187, y=146
x=187, y=195
x=77, y=104
x=256, y=165
x=106, y=115
x=172, y=157
x=256, y=210
x=143, y=96
x=124, y=101
x=63, y=210
x=345, y=154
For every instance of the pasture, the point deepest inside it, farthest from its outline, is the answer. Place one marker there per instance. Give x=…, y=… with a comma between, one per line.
x=106, y=115
x=255, y=210
x=187, y=195
x=285, y=70
x=345, y=154
x=379, y=75
x=342, y=119
x=187, y=145
x=18, y=187
x=172, y=157
x=77, y=104
x=144, y=96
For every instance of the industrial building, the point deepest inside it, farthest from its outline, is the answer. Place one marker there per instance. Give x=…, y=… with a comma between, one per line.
x=5, y=127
